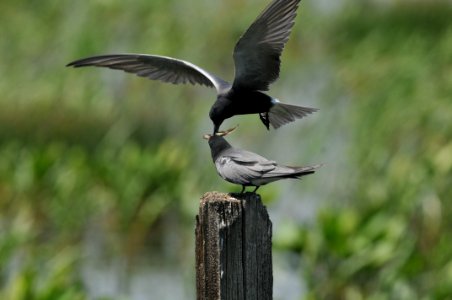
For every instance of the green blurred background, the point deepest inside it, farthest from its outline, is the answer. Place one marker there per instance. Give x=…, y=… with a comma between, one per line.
x=101, y=171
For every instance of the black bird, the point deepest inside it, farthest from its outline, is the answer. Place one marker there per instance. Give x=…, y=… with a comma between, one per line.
x=247, y=168
x=257, y=64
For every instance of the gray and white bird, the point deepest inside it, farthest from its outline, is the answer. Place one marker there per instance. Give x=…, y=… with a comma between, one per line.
x=257, y=65
x=247, y=168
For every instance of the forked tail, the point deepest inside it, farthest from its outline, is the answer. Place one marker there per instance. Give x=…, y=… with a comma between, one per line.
x=281, y=113
x=302, y=171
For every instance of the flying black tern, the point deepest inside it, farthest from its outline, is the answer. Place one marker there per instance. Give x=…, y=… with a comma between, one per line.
x=257, y=65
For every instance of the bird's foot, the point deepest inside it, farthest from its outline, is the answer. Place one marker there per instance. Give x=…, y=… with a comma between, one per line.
x=264, y=118
x=243, y=189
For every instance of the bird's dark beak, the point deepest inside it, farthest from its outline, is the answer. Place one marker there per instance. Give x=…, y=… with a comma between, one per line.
x=226, y=132
x=215, y=129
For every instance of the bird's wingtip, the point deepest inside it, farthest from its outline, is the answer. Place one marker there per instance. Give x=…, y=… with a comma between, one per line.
x=314, y=168
x=72, y=64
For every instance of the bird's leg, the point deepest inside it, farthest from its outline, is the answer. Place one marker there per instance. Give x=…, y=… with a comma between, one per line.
x=256, y=189
x=264, y=118
x=243, y=189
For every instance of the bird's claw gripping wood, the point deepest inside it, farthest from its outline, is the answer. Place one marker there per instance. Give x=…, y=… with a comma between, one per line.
x=244, y=190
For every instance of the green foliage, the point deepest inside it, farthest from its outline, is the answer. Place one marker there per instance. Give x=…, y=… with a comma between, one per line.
x=91, y=150
x=53, y=280
x=50, y=194
x=83, y=149
x=391, y=240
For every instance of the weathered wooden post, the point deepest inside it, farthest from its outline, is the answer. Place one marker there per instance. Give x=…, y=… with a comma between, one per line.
x=233, y=248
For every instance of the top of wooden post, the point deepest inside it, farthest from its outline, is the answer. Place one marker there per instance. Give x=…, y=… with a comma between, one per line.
x=219, y=197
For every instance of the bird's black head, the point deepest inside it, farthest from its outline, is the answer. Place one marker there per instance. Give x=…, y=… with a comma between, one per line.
x=218, y=143
x=221, y=110
x=217, y=120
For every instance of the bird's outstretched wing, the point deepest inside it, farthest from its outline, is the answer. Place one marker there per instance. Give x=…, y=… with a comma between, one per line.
x=257, y=53
x=156, y=67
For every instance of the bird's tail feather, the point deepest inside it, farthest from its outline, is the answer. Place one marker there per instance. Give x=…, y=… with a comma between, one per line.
x=281, y=113
x=302, y=171
x=291, y=172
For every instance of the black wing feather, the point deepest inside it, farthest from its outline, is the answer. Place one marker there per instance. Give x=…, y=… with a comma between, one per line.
x=156, y=67
x=257, y=53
